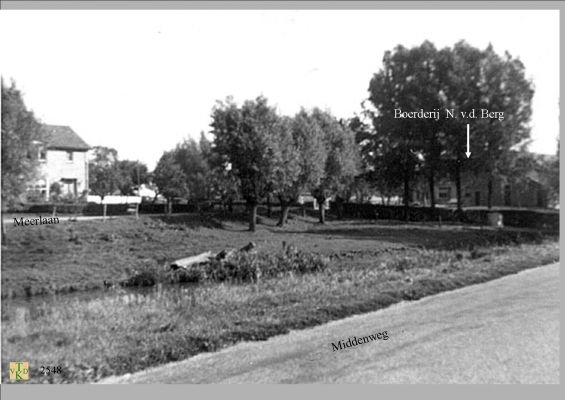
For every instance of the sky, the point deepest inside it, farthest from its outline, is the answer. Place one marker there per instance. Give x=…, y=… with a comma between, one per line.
x=142, y=81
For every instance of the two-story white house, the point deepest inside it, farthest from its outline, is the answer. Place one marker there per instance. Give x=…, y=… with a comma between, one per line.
x=63, y=159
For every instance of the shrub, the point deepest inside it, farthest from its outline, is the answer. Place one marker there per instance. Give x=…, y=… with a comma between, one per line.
x=249, y=267
x=55, y=191
x=140, y=279
x=34, y=196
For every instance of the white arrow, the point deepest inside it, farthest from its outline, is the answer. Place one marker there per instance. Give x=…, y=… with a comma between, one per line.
x=468, y=153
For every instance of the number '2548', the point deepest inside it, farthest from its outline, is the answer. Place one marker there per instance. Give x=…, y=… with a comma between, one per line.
x=51, y=370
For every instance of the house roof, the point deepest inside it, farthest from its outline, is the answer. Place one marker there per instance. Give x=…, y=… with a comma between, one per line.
x=62, y=137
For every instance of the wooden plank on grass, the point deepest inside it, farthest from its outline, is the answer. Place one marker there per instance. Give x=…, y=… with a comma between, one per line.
x=188, y=261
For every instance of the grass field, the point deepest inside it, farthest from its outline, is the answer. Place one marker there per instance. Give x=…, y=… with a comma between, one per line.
x=371, y=265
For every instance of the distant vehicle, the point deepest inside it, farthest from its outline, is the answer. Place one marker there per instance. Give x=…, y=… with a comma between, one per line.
x=415, y=204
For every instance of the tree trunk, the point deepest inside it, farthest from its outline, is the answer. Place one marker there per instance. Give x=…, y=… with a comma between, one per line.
x=284, y=215
x=458, y=184
x=431, y=182
x=489, y=192
x=269, y=208
x=252, y=210
x=322, y=211
x=4, y=238
x=285, y=206
x=406, y=197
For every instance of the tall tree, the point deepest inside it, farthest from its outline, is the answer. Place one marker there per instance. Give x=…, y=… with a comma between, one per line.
x=104, y=176
x=131, y=173
x=19, y=154
x=382, y=167
x=243, y=139
x=301, y=158
x=341, y=158
x=108, y=174
x=391, y=89
x=189, y=156
x=503, y=86
x=428, y=85
x=170, y=179
x=461, y=89
x=222, y=183
x=286, y=181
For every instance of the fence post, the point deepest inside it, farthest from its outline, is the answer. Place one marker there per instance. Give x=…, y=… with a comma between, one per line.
x=54, y=210
x=137, y=210
x=104, y=211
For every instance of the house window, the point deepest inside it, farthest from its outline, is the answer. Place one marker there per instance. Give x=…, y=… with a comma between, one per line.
x=70, y=156
x=444, y=193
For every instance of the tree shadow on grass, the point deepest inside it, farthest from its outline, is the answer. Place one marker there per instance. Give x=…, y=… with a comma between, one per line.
x=444, y=238
x=191, y=221
x=232, y=222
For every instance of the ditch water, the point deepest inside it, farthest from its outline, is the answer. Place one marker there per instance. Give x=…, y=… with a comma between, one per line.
x=135, y=295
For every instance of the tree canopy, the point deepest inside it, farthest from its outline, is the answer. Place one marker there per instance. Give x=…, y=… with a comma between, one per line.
x=108, y=174
x=244, y=141
x=169, y=177
x=20, y=130
x=461, y=78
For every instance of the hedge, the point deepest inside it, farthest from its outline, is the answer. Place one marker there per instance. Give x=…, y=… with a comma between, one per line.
x=62, y=208
x=521, y=218
x=159, y=208
x=93, y=209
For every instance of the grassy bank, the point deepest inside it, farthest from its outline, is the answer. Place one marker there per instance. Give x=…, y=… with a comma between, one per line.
x=370, y=267
x=79, y=256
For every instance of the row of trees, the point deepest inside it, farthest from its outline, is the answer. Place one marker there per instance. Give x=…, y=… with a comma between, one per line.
x=396, y=151
x=256, y=153
x=265, y=154
x=107, y=174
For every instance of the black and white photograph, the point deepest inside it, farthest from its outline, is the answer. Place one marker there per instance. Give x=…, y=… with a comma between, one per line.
x=307, y=196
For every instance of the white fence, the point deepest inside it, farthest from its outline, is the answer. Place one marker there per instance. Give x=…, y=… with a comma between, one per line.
x=114, y=199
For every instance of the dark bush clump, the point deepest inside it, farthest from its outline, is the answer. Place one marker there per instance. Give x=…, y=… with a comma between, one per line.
x=249, y=267
x=140, y=279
